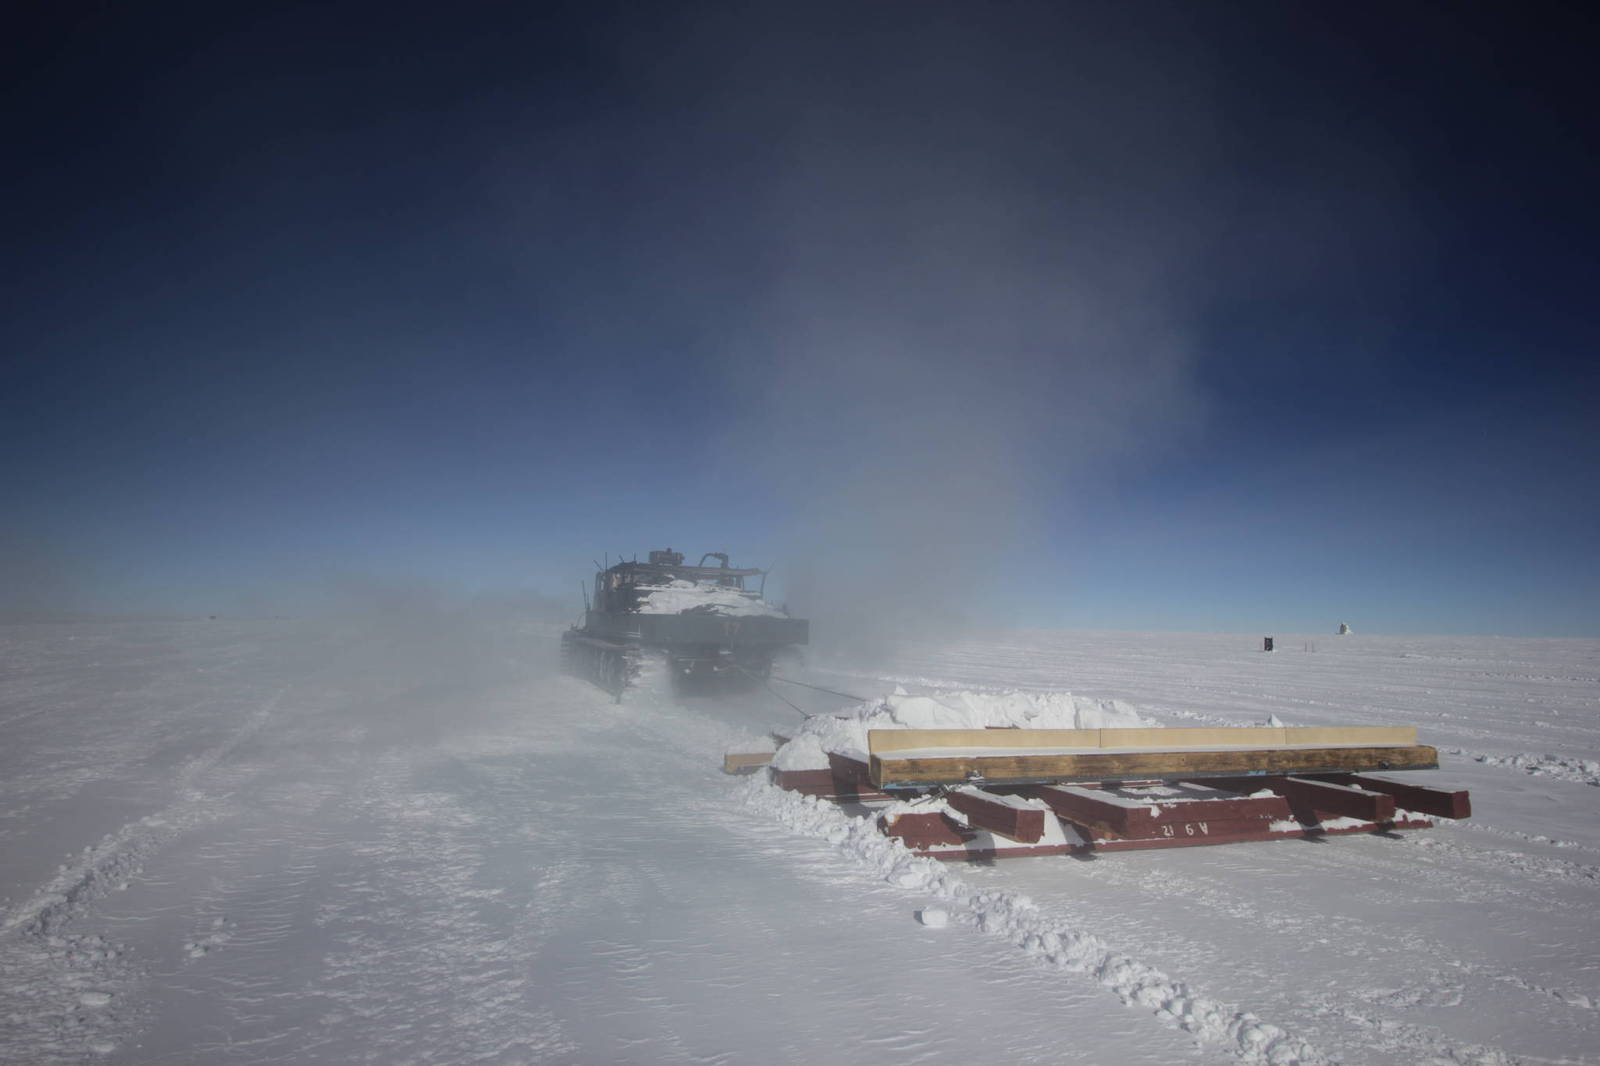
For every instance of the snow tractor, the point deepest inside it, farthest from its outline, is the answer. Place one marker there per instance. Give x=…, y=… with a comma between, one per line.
x=710, y=630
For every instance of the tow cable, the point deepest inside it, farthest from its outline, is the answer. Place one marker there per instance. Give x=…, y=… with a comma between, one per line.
x=770, y=678
x=819, y=688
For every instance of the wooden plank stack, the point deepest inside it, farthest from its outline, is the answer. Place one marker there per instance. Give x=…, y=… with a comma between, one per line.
x=905, y=758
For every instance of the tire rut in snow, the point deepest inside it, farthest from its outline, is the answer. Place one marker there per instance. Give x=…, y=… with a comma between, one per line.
x=1578, y=771
x=1369, y=978
x=1477, y=825
x=1050, y=939
x=64, y=977
x=1538, y=868
x=55, y=979
x=108, y=864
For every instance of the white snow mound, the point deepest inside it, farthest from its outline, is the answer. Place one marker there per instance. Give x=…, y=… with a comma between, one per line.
x=847, y=733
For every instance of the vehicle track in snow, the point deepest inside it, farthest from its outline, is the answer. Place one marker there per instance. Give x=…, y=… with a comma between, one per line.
x=1053, y=938
x=1366, y=950
x=1421, y=887
x=1048, y=941
x=394, y=869
x=57, y=979
x=1575, y=769
x=1477, y=825
x=1365, y=1024
x=438, y=853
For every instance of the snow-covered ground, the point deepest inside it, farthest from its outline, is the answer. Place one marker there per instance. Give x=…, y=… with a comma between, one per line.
x=411, y=841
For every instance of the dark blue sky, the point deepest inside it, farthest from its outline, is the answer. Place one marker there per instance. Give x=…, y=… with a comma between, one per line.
x=1249, y=317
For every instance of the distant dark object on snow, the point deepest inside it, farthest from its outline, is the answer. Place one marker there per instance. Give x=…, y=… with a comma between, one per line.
x=1344, y=629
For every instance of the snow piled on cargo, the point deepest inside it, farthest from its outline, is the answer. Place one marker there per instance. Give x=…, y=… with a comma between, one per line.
x=846, y=733
x=680, y=595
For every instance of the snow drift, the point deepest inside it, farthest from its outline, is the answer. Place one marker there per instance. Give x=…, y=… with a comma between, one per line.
x=846, y=733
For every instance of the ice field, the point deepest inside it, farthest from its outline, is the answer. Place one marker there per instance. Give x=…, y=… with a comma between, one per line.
x=412, y=841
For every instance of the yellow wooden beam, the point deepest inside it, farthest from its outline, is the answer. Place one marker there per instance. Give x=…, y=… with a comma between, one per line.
x=890, y=770
x=886, y=741
x=744, y=762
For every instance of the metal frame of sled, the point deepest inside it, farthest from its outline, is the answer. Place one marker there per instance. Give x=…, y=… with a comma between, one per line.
x=1079, y=791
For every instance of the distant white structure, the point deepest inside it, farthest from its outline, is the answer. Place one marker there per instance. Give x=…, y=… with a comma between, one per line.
x=1344, y=629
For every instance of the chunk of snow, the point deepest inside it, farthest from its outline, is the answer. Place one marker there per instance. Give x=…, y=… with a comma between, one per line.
x=847, y=733
x=934, y=917
x=804, y=752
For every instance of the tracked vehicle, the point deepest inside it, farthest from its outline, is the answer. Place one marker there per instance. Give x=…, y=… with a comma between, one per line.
x=709, y=629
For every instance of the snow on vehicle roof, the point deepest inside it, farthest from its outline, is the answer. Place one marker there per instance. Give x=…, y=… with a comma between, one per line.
x=679, y=595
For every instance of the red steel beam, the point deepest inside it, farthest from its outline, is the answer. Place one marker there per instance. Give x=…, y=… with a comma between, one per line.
x=1201, y=831
x=1080, y=805
x=921, y=830
x=853, y=771
x=825, y=784
x=1322, y=798
x=988, y=811
x=1093, y=812
x=1438, y=802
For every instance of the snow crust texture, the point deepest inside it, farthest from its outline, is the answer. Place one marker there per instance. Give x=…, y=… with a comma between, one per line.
x=409, y=840
x=1567, y=768
x=1049, y=940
